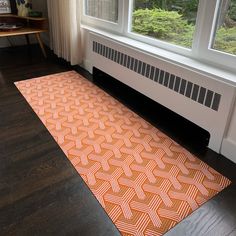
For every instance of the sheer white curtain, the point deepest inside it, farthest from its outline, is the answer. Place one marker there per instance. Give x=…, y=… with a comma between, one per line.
x=64, y=24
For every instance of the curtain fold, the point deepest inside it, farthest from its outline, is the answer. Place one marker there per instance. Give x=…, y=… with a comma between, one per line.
x=65, y=34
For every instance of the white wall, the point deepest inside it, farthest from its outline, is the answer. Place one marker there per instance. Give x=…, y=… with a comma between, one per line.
x=38, y=5
x=87, y=64
x=232, y=129
x=229, y=142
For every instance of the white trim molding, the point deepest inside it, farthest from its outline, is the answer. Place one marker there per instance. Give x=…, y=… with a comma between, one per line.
x=229, y=149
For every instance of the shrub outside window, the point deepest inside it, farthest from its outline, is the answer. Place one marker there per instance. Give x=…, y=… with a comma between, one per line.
x=225, y=29
x=170, y=21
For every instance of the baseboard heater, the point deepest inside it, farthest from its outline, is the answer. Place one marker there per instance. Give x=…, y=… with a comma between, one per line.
x=193, y=95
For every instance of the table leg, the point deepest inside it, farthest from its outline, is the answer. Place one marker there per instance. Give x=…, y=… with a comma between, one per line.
x=41, y=44
x=10, y=42
x=27, y=39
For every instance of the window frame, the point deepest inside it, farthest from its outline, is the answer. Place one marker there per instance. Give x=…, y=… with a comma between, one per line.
x=202, y=39
x=151, y=41
x=202, y=47
x=101, y=23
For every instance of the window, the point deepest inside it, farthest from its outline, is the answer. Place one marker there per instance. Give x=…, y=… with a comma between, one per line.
x=204, y=30
x=105, y=14
x=170, y=21
x=225, y=29
x=102, y=9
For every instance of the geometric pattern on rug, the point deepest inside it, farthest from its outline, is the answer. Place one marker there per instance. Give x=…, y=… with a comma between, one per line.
x=145, y=181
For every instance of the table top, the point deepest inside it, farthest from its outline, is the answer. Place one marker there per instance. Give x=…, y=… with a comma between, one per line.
x=22, y=31
x=23, y=17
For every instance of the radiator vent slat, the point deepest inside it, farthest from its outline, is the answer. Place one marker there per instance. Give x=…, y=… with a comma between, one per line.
x=189, y=89
x=186, y=88
x=177, y=84
x=183, y=86
x=216, y=102
x=202, y=94
x=209, y=97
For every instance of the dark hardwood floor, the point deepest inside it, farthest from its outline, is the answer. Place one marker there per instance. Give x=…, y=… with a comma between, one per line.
x=42, y=194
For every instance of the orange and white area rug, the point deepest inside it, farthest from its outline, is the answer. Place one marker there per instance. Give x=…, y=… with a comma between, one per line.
x=145, y=181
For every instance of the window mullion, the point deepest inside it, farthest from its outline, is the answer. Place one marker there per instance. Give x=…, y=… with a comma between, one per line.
x=128, y=8
x=204, y=25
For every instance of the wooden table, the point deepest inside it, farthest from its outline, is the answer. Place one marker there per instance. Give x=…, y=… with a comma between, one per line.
x=32, y=25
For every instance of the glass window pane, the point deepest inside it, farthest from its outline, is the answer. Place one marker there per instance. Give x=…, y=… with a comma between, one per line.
x=102, y=9
x=225, y=33
x=172, y=21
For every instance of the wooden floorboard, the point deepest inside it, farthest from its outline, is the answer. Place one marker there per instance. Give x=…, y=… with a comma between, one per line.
x=40, y=191
x=42, y=194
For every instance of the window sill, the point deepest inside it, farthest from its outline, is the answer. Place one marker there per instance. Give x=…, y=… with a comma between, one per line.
x=211, y=71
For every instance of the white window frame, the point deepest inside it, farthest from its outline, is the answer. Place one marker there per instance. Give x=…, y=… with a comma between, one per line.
x=152, y=41
x=202, y=39
x=101, y=23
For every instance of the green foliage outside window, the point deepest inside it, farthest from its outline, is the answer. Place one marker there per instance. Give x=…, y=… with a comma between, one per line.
x=232, y=10
x=177, y=26
x=163, y=25
x=226, y=40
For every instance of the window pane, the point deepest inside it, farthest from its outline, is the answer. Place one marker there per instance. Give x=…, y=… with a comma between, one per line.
x=102, y=9
x=168, y=20
x=225, y=35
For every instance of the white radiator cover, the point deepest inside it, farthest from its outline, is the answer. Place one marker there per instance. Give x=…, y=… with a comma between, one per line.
x=213, y=118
